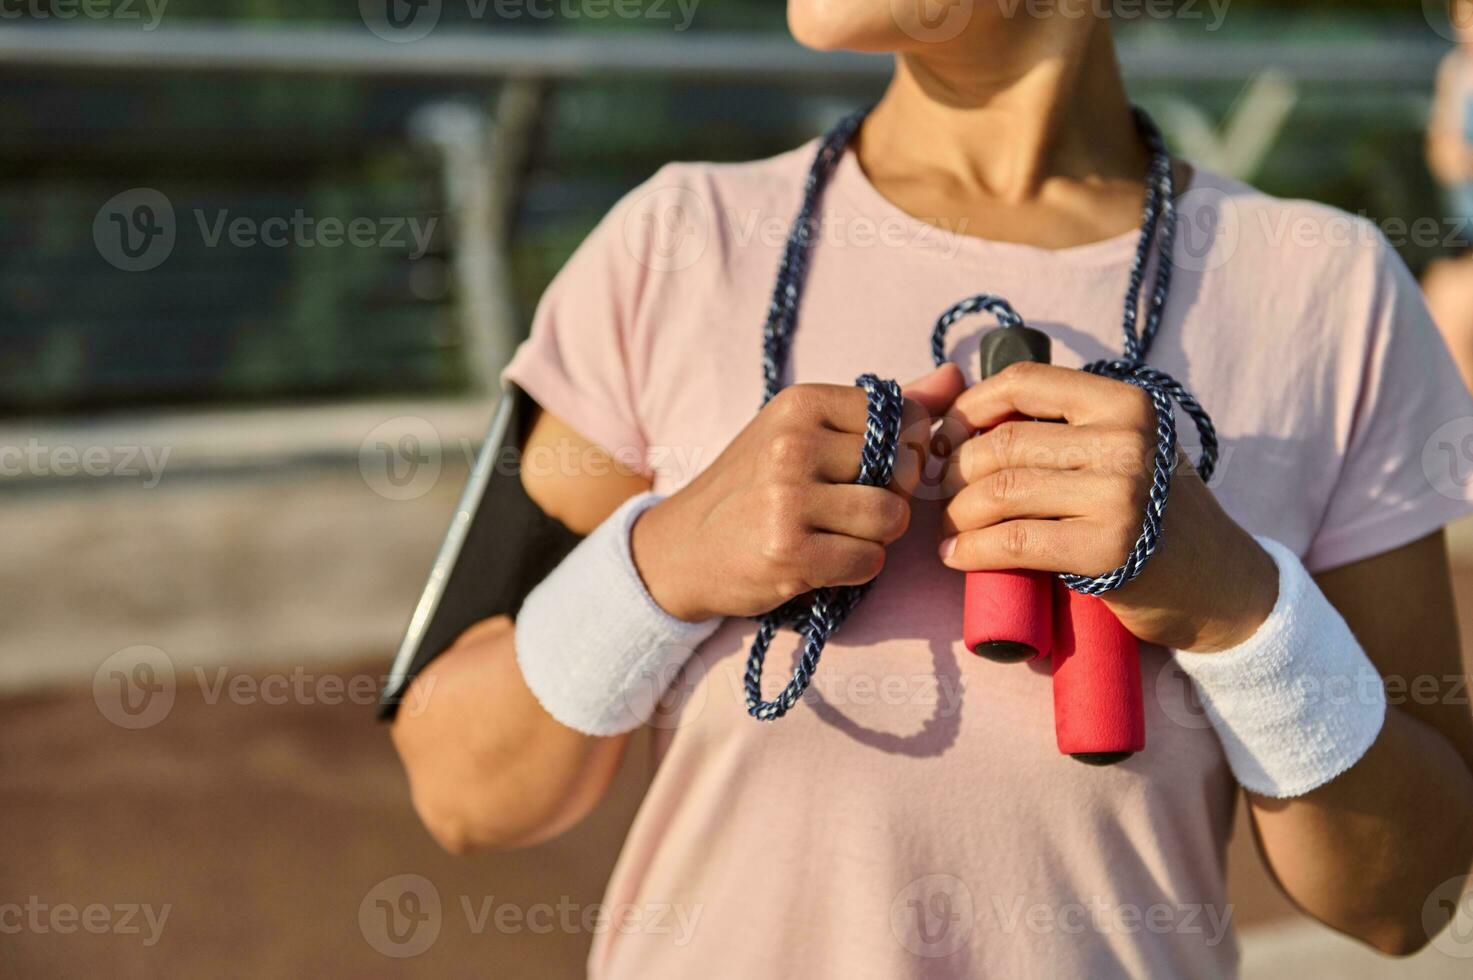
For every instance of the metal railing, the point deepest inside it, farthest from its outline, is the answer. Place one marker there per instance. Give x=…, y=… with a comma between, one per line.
x=479, y=160
x=474, y=55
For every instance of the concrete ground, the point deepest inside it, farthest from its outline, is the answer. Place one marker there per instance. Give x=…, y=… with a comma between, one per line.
x=258, y=824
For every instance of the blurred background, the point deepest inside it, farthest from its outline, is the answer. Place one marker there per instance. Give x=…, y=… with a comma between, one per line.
x=261, y=265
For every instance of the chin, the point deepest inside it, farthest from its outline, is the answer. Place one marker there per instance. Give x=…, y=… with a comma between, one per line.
x=850, y=25
x=918, y=27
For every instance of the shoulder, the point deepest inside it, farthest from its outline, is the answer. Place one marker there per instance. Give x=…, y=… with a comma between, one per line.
x=769, y=179
x=673, y=217
x=682, y=219
x=699, y=229
x=1293, y=250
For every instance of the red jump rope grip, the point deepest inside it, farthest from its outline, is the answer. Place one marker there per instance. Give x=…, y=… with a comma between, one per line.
x=1099, y=714
x=1008, y=616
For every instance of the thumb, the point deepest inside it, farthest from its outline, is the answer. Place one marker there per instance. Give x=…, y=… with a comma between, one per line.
x=936, y=391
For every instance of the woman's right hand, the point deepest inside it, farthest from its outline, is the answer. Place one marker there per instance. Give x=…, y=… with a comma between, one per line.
x=778, y=513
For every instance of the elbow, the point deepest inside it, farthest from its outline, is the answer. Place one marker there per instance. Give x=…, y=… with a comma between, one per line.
x=446, y=826
x=466, y=820
x=1398, y=939
x=452, y=835
x=462, y=829
x=1411, y=927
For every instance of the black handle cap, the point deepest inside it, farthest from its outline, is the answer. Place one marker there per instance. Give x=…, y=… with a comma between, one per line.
x=1009, y=345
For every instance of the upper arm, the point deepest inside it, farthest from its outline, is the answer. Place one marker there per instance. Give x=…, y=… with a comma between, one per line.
x=1400, y=607
x=572, y=478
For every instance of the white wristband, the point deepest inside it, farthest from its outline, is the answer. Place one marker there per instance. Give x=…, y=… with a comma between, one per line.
x=593, y=645
x=1298, y=702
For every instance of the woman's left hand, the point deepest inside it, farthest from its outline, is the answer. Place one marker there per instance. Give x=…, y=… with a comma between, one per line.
x=1071, y=497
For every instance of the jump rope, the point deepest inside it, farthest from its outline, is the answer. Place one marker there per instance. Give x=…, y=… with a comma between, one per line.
x=1009, y=616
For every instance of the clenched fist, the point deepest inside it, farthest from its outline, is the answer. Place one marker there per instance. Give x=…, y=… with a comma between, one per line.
x=778, y=513
x=1070, y=497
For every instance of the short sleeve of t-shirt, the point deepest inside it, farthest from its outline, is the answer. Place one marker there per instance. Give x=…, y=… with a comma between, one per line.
x=1408, y=463
x=582, y=359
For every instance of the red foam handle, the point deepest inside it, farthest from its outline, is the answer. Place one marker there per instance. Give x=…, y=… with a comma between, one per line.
x=1009, y=607
x=1098, y=706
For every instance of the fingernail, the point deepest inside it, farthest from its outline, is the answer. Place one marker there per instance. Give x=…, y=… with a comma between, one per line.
x=948, y=545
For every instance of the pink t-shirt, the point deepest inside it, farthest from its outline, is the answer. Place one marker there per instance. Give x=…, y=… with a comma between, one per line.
x=913, y=817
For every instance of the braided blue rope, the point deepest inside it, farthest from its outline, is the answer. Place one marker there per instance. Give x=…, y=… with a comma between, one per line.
x=818, y=614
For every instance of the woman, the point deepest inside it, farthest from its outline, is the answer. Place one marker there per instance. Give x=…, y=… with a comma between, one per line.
x=912, y=816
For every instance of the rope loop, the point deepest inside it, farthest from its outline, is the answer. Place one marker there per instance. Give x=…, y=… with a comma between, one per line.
x=817, y=614
x=981, y=303
x=1163, y=390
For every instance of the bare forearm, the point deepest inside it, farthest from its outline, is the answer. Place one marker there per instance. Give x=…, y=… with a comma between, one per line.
x=1363, y=852
x=488, y=767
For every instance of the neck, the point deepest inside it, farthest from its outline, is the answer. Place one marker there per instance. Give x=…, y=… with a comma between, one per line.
x=1003, y=128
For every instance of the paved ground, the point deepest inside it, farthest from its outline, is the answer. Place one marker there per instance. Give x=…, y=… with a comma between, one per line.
x=265, y=829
